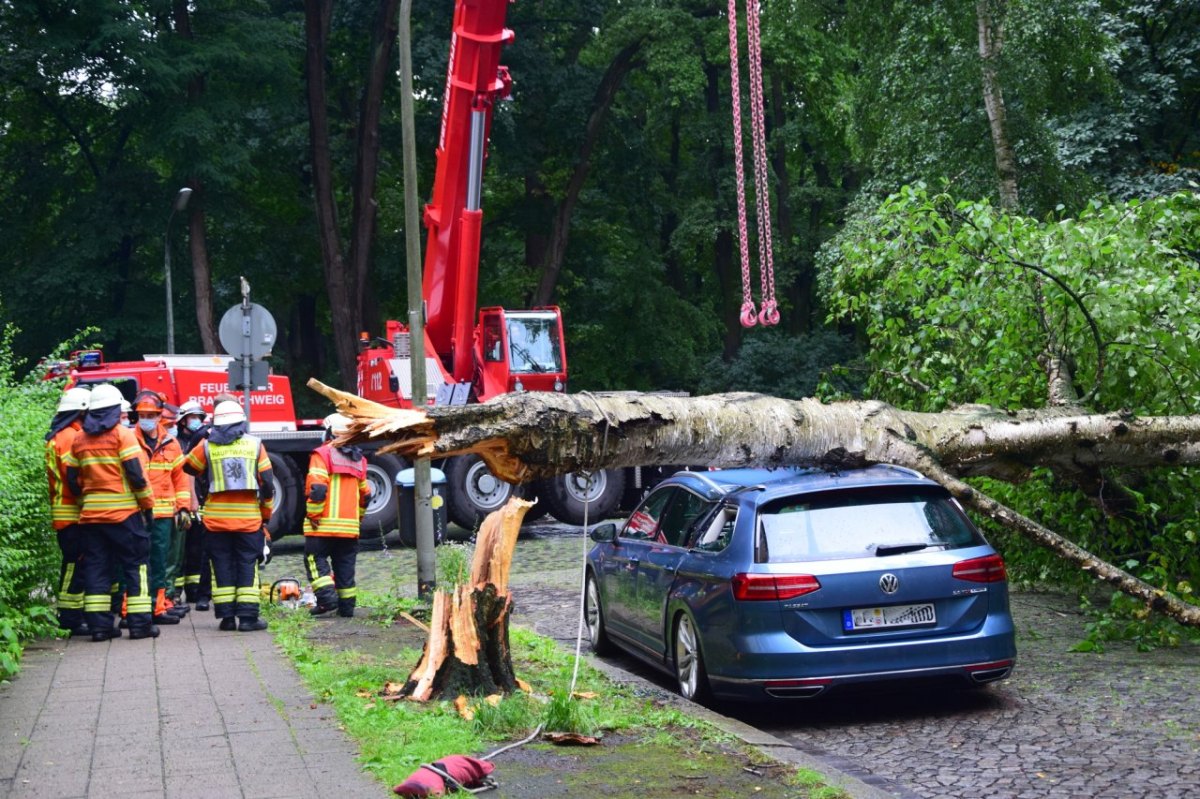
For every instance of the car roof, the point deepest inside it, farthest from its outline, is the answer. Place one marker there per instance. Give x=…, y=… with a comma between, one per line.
x=787, y=481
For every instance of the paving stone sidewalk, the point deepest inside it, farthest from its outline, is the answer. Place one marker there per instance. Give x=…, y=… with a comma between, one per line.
x=194, y=713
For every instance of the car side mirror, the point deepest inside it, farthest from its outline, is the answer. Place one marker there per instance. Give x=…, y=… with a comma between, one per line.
x=604, y=533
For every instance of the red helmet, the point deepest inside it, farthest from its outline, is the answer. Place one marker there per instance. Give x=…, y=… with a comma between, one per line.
x=148, y=401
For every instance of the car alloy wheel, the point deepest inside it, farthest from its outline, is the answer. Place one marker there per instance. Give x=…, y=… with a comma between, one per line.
x=594, y=618
x=689, y=663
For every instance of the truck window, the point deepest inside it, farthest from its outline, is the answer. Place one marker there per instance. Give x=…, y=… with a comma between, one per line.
x=533, y=343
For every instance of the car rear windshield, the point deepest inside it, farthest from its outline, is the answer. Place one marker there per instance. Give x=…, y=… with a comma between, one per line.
x=882, y=522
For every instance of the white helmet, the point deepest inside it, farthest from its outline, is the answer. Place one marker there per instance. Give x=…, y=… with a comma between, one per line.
x=336, y=424
x=228, y=413
x=105, y=395
x=190, y=408
x=125, y=406
x=74, y=399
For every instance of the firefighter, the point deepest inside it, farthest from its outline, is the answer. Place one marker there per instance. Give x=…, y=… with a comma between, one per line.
x=336, y=492
x=197, y=576
x=171, y=497
x=182, y=519
x=240, y=495
x=106, y=469
x=64, y=508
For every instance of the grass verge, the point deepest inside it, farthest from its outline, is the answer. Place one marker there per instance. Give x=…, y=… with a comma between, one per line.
x=644, y=741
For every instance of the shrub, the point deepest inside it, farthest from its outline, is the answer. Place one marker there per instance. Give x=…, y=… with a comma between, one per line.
x=29, y=555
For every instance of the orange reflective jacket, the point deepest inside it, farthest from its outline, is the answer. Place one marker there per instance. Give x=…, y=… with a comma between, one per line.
x=64, y=506
x=238, y=511
x=112, y=475
x=167, y=480
x=335, y=508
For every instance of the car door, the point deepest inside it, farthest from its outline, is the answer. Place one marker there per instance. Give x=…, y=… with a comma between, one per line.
x=659, y=562
x=620, y=572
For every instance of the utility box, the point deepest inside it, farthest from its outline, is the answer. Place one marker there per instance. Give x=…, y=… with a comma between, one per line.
x=406, y=488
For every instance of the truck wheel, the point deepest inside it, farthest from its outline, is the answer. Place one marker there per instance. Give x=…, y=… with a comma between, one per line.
x=382, y=513
x=600, y=491
x=285, y=518
x=473, y=490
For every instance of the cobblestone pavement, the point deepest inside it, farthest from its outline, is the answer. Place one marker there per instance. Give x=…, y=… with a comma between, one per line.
x=1116, y=724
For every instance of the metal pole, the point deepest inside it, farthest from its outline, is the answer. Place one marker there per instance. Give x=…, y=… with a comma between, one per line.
x=423, y=488
x=246, y=347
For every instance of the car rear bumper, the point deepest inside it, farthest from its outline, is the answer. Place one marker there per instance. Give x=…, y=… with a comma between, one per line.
x=782, y=668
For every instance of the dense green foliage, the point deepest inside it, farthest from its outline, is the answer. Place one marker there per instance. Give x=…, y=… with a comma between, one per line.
x=958, y=302
x=28, y=549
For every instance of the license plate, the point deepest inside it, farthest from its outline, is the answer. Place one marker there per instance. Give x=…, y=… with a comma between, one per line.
x=894, y=616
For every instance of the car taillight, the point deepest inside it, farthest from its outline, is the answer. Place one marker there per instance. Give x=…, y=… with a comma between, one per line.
x=988, y=569
x=751, y=587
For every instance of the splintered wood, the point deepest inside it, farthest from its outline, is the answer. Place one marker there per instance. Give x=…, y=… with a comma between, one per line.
x=467, y=651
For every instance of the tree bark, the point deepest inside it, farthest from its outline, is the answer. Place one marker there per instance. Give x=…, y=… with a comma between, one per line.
x=560, y=233
x=201, y=272
x=468, y=650
x=534, y=435
x=339, y=280
x=366, y=168
x=989, y=17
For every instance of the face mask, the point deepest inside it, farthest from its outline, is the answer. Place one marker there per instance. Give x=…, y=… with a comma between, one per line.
x=193, y=425
x=147, y=425
x=172, y=431
x=126, y=421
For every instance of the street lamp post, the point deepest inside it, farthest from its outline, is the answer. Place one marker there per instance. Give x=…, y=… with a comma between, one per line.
x=181, y=201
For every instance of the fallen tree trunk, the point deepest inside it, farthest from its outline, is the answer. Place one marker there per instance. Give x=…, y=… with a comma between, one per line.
x=532, y=435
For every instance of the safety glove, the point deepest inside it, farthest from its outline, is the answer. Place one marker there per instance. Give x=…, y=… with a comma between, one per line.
x=265, y=557
x=183, y=519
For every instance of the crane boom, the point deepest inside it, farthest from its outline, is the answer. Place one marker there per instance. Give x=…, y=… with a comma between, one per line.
x=475, y=80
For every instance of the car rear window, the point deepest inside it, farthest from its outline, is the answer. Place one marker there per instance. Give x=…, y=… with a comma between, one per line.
x=857, y=523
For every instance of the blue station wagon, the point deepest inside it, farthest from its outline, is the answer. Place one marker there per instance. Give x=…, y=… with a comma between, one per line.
x=753, y=584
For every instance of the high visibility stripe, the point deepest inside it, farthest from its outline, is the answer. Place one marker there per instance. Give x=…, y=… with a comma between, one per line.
x=139, y=605
x=248, y=596
x=322, y=582
x=347, y=593
x=223, y=594
x=179, y=582
x=191, y=579
x=100, y=460
x=67, y=600
x=96, y=603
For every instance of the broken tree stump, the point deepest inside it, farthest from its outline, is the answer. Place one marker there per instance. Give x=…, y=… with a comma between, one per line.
x=467, y=651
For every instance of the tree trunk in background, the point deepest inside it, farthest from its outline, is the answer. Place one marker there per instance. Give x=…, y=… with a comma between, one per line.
x=796, y=267
x=989, y=15
x=560, y=233
x=544, y=433
x=366, y=168
x=201, y=272
x=197, y=240
x=339, y=280
x=725, y=264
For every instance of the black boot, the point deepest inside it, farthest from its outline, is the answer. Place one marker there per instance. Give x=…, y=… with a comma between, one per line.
x=145, y=632
x=104, y=635
x=247, y=625
x=228, y=624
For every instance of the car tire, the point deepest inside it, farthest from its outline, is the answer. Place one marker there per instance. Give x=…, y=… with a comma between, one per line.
x=382, y=514
x=285, y=480
x=593, y=614
x=690, y=674
x=569, y=497
x=473, y=490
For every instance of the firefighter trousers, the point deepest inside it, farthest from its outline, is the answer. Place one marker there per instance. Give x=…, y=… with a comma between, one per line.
x=234, y=559
x=70, y=578
x=174, y=573
x=333, y=586
x=116, y=547
x=197, y=572
x=160, y=550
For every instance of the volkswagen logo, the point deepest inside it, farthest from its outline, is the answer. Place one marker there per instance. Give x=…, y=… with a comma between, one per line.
x=889, y=583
